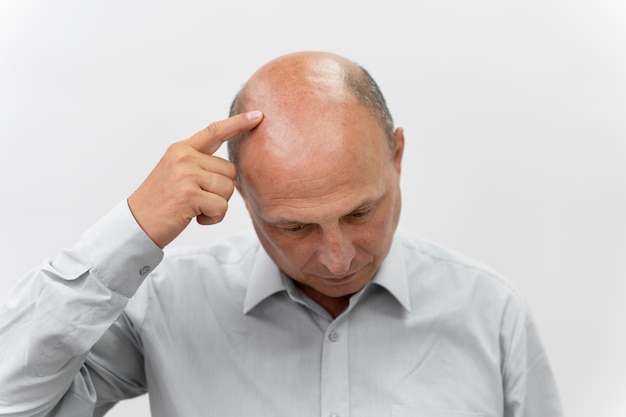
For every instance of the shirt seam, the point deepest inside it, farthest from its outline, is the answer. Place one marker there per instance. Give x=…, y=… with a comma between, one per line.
x=66, y=335
x=491, y=274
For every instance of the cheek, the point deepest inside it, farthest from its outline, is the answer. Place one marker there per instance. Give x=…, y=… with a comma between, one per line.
x=376, y=236
x=288, y=253
x=371, y=241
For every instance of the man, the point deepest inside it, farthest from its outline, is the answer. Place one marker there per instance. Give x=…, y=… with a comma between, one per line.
x=327, y=311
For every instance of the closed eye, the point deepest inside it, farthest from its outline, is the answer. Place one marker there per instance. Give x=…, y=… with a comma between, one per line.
x=361, y=213
x=293, y=228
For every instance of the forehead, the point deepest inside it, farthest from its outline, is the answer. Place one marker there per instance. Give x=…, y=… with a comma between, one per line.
x=316, y=125
x=314, y=200
x=334, y=158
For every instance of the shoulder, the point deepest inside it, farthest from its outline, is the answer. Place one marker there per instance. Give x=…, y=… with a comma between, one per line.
x=225, y=262
x=461, y=289
x=426, y=258
x=197, y=271
x=197, y=281
x=230, y=250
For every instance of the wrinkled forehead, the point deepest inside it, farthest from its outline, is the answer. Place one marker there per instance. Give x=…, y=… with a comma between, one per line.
x=311, y=145
x=313, y=123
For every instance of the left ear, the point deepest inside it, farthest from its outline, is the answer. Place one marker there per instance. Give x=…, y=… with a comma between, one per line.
x=398, y=136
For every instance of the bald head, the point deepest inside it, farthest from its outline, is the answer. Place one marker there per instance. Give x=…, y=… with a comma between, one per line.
x=292, y=87
x=320, y=175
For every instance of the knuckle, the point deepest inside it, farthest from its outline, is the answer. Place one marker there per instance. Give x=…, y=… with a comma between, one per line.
x=188, y=192
x=216, y=210
x=175, y=147
x=214, y=128
x=177, y=152
x=230, y=189
x=231, y=170
x=221, y=206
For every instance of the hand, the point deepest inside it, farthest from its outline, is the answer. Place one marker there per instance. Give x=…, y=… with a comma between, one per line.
x=189, y=182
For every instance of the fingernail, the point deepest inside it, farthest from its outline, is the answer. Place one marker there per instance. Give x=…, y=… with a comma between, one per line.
x=254, y=115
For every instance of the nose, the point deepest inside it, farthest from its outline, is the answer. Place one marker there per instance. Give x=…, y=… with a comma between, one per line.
x=336, y=251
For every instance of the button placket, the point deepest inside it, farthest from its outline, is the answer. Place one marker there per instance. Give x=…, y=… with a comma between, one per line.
x=334, y=371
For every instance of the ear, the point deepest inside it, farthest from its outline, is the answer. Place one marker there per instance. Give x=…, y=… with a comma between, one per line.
x=398, y=135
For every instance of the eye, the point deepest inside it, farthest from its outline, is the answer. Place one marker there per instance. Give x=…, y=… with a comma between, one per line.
x=357, y=214
x=293, y=228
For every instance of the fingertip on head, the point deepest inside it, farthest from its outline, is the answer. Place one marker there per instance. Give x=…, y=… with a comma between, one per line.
x=255, y=115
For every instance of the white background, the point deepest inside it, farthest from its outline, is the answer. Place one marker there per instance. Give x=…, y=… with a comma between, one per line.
x=514, y=113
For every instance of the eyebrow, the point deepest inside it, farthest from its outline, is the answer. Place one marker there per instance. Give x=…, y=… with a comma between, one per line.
x=367, y=203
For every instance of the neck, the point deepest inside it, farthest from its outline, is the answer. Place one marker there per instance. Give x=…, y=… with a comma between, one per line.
x=334, y=305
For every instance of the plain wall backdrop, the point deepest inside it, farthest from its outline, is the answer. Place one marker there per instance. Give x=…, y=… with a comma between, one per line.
x=514, y=114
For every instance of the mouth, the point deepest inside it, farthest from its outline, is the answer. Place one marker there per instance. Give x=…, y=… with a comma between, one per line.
x=354, y=274
x=338, y=279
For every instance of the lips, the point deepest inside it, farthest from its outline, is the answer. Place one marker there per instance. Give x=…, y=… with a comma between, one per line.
x=337, y=279
x=333, y=279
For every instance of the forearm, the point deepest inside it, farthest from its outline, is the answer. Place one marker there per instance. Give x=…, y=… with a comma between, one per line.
x=54, y=315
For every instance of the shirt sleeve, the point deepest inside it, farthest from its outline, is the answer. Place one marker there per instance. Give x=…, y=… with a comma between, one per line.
x=528, y=382
x=54, y=315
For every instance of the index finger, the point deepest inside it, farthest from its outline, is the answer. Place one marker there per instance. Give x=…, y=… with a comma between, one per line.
x=209, y=139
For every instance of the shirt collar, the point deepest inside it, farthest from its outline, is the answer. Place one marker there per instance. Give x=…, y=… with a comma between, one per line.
x=392, y=274
x=266, y=279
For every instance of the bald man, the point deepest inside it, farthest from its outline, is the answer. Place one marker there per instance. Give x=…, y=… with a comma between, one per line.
x=327, y=310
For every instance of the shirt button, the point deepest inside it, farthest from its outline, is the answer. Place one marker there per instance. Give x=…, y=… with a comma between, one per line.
x=145, y=270
x=333, y=337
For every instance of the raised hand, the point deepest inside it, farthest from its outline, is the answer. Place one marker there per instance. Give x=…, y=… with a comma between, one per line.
x=189, y=182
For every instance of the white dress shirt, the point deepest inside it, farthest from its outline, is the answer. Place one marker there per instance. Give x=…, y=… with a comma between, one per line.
x=219, y=331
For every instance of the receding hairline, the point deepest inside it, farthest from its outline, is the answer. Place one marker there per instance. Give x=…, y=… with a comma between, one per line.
x=357, y=81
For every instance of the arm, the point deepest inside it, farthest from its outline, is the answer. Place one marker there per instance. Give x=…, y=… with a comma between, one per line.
x=529, y=385
x=53, y=317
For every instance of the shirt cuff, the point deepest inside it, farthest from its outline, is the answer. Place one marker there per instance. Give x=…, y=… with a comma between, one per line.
x=118, y=251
